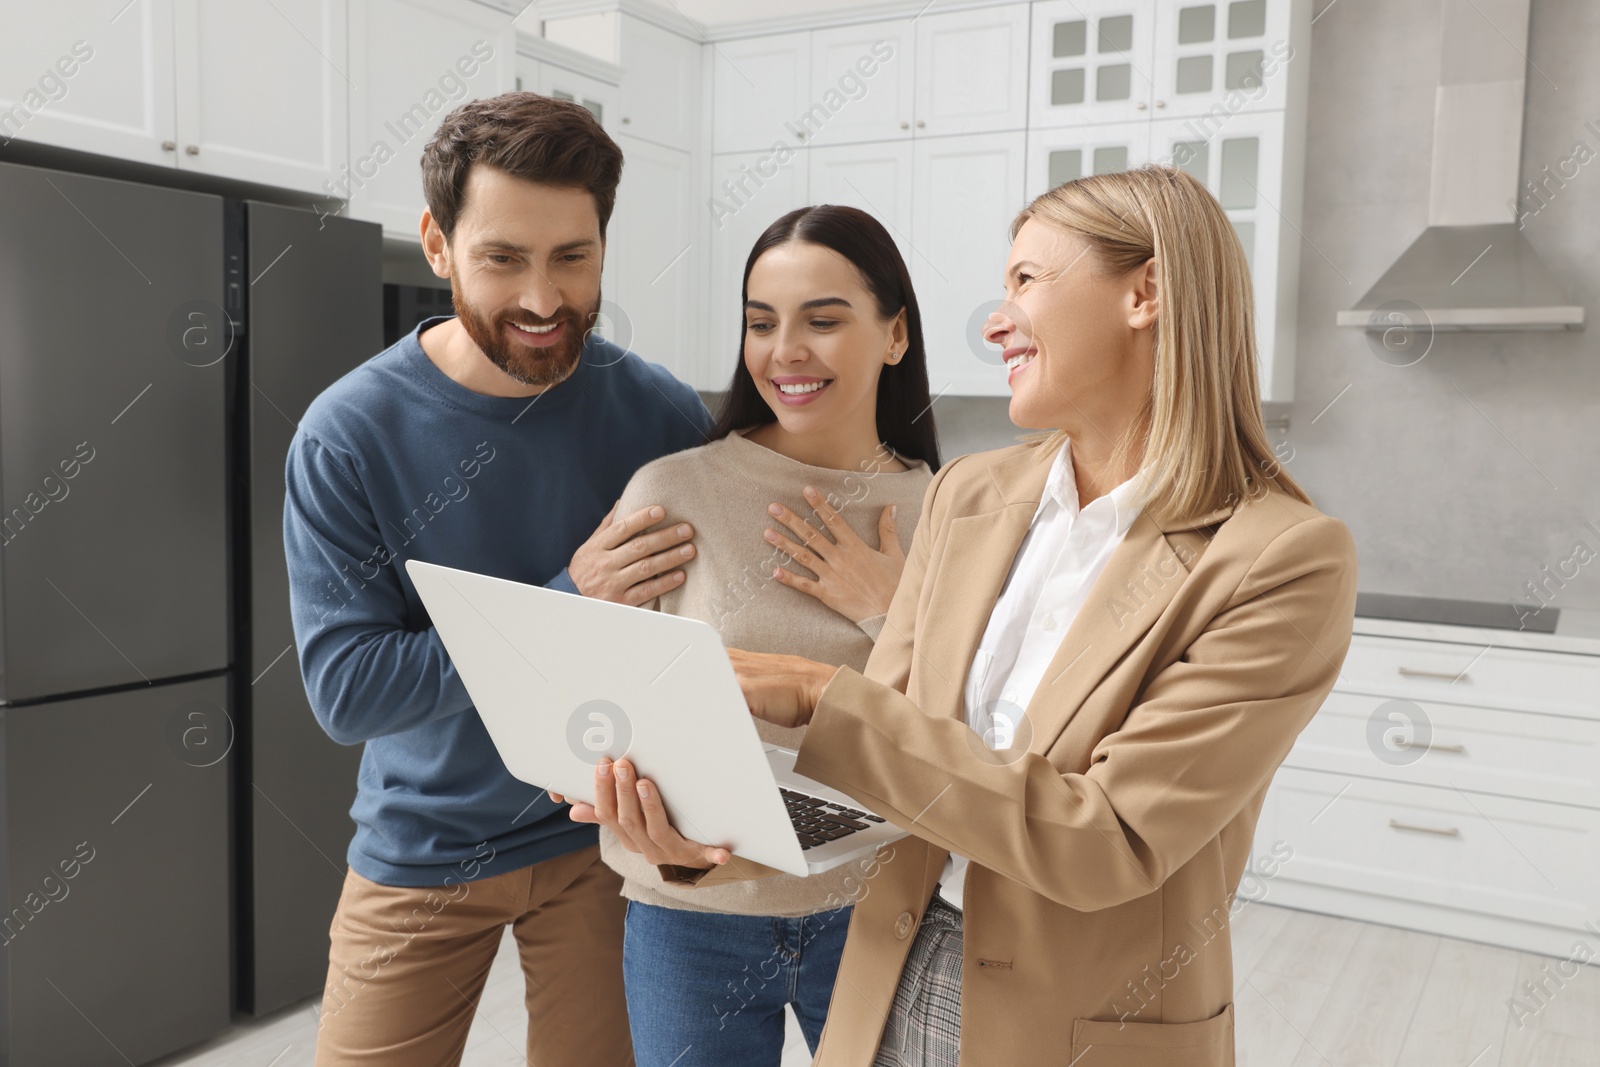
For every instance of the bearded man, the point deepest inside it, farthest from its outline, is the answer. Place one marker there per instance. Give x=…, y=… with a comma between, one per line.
x=496, y=440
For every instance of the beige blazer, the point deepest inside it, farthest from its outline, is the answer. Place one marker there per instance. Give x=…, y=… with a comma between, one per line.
x=1104, y=858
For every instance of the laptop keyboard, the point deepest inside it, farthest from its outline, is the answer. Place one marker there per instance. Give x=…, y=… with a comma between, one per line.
x=817, y=821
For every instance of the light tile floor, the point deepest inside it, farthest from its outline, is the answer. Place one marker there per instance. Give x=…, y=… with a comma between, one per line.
x=1312, y=991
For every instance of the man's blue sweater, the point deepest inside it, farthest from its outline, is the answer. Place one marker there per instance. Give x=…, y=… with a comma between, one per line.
x=397, y=461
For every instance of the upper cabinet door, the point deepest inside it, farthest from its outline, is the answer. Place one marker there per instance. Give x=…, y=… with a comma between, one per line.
x=1062, y=155
x=749, y=192
x=873, y=177
x=967, y=191
x=99, y=83
x=1092, y=61
x=1242, y=162
x=601, y=98
x=295, y=136
x=1233, y=55
x=412, y=62
x=650, y=240
x=660, y=84
x=863, y=81
x=759, y=86
x=972, y=71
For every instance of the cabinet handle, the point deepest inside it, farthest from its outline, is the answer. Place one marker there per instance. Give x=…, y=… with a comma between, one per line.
x=905, y=125
x=169, y=146
x=921, y=125
x=1141, y=105
x=799, y=135
x=1398, y=825
x=192, y=149
x=1407, y=672
x=1161, y=103
x=1431, y=747
x=626, y=120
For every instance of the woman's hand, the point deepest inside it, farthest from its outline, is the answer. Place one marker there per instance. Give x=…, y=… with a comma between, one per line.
x=783, y=690
x=856, y=581
x=631, y=806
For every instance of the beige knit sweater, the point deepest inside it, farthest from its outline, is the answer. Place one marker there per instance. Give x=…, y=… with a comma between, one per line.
x=723, y=490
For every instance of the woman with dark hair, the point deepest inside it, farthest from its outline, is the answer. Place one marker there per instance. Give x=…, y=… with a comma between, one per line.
x=827, y=419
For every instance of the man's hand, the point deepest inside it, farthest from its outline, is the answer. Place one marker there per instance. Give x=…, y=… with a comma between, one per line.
x=622, y=564
x=631, y=806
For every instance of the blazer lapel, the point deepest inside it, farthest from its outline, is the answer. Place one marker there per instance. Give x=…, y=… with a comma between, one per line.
x=978, y=553
x=1139, y=581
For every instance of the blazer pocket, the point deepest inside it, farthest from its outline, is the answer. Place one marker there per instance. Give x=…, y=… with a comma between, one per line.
x=1109, y=1043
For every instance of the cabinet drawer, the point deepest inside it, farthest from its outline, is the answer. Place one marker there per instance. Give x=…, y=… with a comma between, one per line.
x=1437, y=846
x=1555, y=682
x=1488, y=750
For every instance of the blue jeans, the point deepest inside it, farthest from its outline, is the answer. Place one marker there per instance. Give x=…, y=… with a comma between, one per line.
x=709, y=989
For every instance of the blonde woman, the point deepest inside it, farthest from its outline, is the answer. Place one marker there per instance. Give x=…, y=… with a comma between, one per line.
x=1141, y=602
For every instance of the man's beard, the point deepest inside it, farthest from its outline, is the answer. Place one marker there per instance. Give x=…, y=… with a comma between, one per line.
x=526, y=363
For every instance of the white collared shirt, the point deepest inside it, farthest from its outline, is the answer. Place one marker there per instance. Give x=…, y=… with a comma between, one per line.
x=1062, y=554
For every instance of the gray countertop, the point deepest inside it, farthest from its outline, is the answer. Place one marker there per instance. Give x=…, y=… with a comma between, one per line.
x=1577, y=631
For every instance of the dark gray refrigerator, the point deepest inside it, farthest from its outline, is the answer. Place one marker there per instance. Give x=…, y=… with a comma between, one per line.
x=305, y=327
x=172, y=821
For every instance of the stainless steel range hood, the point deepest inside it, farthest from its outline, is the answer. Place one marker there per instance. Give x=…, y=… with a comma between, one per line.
x=1473, y=268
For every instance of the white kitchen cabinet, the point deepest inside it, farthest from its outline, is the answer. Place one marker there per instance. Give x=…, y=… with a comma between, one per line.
x=967, y=191
x=229, y=127
x=1243, y=163
x=650, y=256
x=1092, y=61
x=1501, y=870
x=877, y=178
x=1118, y=60
x=871, y=67
x=1447, y=786
x=660, y=100
x=1227, y=54
x=1028, y=96
x=101, y=82
x=564, y=73
x=760, y=92
x=178, y=83
x=413, y=62
x=601, y=98
x=1478, y=747
x=1065, y=153
x=754, y=190
x=529, y=72
x=971, y=72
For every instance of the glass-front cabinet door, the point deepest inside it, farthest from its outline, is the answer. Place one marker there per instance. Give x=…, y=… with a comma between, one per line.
x=1232, y=55
x=1241, y=160
x=1062, y=155
x=1093, y=61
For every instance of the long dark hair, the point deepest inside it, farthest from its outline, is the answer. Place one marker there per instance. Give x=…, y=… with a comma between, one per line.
x=904, y=411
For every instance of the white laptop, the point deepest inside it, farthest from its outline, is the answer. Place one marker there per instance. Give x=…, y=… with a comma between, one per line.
x=561, y=679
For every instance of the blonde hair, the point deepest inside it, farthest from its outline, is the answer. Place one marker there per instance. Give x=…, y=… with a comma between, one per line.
x=1203, y=438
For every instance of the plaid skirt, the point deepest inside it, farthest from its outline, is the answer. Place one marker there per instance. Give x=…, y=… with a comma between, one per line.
x=924, y=1027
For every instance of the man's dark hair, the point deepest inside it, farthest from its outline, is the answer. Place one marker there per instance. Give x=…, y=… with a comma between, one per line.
x=552, y=142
